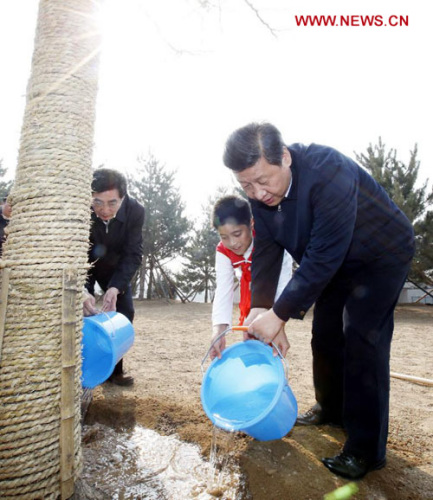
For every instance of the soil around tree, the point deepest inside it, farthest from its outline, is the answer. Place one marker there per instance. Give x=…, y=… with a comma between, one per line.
x=171, y=339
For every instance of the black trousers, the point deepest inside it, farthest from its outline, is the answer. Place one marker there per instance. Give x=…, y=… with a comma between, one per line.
x=352, y=331
x=125, y=306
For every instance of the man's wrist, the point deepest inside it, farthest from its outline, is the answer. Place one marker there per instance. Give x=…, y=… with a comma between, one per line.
x=276, y=314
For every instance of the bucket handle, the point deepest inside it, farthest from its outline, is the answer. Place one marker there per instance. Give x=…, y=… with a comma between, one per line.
x=242, y=328
x=113, y=333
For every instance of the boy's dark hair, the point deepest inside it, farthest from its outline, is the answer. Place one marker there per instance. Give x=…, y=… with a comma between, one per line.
x=231, y=209
x=246, y=145
x=106, y=179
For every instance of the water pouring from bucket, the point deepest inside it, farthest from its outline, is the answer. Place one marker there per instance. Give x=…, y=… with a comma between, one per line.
x=247, y=390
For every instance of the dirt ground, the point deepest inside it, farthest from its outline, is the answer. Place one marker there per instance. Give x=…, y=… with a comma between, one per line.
x=171, y=340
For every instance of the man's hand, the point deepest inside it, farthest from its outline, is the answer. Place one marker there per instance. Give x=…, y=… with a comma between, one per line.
x=268, y=327
x=110, y=299
x=281, y=342
x=6, y=210
x=256, y=311
x=89, y=308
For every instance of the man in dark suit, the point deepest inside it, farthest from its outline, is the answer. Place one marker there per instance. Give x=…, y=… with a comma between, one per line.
x=354, y=247
x=116, y=249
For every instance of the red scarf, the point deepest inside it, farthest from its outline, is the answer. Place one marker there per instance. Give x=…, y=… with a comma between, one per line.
x=245, y=265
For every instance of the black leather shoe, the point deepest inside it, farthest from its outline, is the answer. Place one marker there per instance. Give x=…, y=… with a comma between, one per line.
x=351, y=467
x=121, y=379
x=316, y=416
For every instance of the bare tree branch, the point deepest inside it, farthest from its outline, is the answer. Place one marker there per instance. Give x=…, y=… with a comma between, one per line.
x=173, y=48
x=260, y=18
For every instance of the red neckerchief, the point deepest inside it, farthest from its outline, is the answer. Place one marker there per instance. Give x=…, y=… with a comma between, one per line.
x=245, y=265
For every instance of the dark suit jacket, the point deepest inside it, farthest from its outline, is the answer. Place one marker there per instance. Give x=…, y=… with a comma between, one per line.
x=335, y=217
x=116, y=249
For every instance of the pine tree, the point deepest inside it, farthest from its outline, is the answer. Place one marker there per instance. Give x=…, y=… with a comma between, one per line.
x=4, y=185
x=166, y=229
x=400, y=181
x=198, y=274
x=422, y=267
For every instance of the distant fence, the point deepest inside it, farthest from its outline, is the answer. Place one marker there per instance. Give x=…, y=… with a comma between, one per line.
x=413, y=293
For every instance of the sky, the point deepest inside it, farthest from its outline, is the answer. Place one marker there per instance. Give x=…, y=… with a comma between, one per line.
x=178, y=76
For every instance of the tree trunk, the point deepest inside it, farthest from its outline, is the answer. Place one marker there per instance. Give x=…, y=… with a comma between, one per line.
x=205, y=291
x=150, y=280
x=48, y=238
x=142, y=278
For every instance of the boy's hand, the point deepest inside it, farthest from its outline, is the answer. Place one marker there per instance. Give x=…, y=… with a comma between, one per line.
x=220, y=345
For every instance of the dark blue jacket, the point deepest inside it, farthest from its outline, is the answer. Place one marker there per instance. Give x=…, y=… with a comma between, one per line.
x=335, y=218
x=116, y=249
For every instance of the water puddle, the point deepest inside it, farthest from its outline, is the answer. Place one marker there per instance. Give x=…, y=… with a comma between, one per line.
x=142, y=464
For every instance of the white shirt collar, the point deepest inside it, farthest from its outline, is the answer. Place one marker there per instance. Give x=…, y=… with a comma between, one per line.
x=249, y=250
x=288, y=189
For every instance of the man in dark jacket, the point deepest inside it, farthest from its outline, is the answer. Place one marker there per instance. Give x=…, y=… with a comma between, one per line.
x=354, y=247
x=116, y=249
x=5, y=213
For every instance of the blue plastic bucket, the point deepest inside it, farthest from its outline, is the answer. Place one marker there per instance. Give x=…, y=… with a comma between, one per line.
x=106, y=339
x=247, y=390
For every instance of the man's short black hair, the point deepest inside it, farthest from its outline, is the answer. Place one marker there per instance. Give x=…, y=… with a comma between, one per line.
x=106, y=179
x=246, y=145
x=231, y=209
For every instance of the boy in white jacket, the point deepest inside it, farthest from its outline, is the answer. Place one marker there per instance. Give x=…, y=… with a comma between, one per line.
x=232, y=219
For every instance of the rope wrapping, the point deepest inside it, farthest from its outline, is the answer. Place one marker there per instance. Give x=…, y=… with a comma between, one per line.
x=48, y=233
